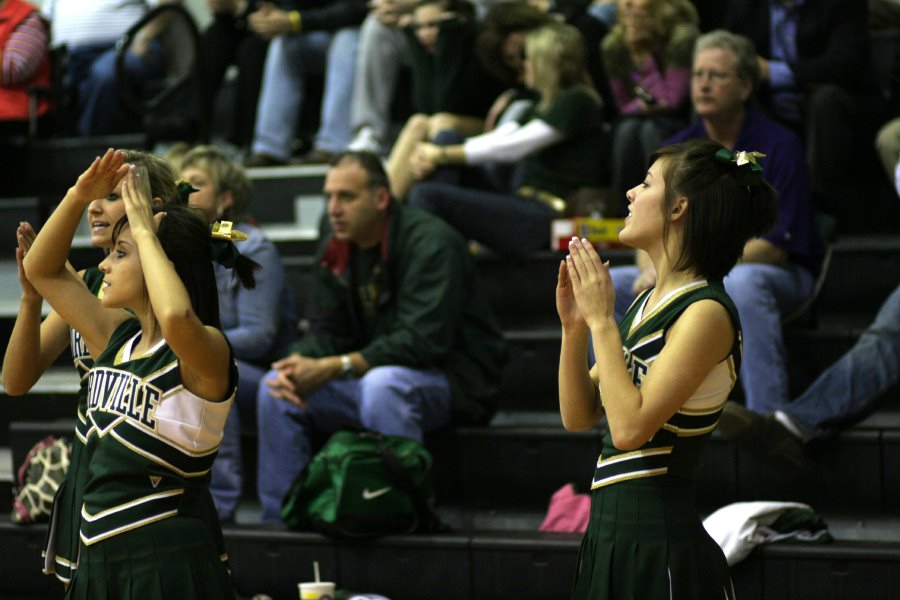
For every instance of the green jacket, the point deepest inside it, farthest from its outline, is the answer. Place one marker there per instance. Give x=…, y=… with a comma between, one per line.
x=426, y=310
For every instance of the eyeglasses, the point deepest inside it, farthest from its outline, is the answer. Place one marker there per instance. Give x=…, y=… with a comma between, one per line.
x=714, y=76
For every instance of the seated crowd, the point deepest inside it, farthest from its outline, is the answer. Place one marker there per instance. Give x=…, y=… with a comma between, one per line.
x=511, y=110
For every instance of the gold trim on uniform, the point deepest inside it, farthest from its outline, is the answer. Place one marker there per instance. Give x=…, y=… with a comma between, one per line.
x=633, y=454
x=689, y=432
x=130, y=504
x=627, y=476
x=135, y=525
x=161, y=462
x=666, y=301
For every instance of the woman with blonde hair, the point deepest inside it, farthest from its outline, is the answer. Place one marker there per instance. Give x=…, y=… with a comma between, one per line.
x=36, y=344
x=260, y=322
x=459, y=69
x=158, y=394
x=560, y=146
x=647, y=56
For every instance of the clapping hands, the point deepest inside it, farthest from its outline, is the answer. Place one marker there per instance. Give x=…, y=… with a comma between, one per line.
x=584, y=289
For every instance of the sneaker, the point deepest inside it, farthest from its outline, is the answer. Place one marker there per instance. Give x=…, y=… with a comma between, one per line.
x=760, y=435
x=316, y=156
x=261, y=159
x=365, y=141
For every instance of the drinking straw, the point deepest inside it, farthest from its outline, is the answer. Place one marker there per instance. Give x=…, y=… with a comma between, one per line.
x=316, y=570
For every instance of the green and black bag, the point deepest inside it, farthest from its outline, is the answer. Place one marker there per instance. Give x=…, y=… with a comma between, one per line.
x=364, y=484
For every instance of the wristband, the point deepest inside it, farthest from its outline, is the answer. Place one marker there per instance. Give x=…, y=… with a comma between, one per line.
x=347, y=370
x=296, y=21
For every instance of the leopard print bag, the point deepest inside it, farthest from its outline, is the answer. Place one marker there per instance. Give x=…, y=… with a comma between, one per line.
x=39, y=476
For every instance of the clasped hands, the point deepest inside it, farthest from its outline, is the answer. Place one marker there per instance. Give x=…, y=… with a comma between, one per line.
x=298, y=376
x=584, y=291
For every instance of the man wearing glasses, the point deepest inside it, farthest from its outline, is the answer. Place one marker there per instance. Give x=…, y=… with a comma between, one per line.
x=777, y=272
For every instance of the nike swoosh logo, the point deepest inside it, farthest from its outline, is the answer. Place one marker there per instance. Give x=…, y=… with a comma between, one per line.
x=371, y=495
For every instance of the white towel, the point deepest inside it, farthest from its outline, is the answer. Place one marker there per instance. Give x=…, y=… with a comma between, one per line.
x=738, y=528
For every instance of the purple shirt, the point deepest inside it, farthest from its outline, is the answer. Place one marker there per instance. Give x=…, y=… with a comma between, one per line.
x=785, y=168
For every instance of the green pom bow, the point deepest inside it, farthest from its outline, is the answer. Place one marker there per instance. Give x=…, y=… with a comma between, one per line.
x=747, y=170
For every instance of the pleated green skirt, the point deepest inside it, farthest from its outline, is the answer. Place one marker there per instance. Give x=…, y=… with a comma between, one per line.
x=173, y=559
x=645, y=541
x=61, y=544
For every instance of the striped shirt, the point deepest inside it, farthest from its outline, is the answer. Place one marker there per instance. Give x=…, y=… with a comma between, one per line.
x=24, y=51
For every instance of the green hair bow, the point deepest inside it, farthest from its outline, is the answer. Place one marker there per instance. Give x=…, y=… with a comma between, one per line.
x=747, y=170
x=221, y=241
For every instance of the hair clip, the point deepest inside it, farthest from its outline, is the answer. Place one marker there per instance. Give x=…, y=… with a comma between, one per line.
x=184, y=190
x=743, y=174
x=223, y=230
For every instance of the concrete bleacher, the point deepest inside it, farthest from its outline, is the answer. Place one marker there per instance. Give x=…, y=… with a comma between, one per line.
x=494, y=482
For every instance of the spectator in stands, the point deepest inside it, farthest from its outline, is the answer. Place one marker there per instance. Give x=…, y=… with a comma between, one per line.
x=308, y=36
x=23, y=64
x=843, y=394
x=382, y=55
x=34, y=346
x=647, y=56
x=777, y=271
x=816, y=78
x=662, y=374
x=452, y=87
x=260, y=323
x=501, y=49
x=594, y=21
x=229, y=41
x=158, y=393
x=401, y=338
x=560, y=142
x=89, y=29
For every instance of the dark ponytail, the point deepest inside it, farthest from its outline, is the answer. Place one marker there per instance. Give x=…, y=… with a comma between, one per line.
x=728, y=204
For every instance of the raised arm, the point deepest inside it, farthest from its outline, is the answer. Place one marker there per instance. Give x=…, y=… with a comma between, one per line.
x=579, y=394
x=700, y=339
x=30, y=337
x=45, y=264
x=202, y=350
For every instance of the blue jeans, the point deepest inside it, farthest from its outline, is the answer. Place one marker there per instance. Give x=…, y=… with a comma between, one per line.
x=850, y=388
x=227, y=478
x=382, y=53
x=289, y=60
x=762, y=294
x=93, y=73
x=392, y=400
x=507, y=224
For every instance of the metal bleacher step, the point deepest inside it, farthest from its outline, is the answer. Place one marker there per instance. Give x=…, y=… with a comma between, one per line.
x=519, y=460
x=497, y=564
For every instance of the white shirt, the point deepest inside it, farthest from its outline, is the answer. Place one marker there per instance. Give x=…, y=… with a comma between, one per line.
x=89, y=22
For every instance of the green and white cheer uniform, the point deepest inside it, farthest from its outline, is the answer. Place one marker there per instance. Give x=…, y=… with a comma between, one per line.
x=645, y=539
x=148, y=525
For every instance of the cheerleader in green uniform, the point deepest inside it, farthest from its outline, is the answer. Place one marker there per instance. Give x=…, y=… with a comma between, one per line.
x=662, y=375
x=158, y=394
x=36, y=344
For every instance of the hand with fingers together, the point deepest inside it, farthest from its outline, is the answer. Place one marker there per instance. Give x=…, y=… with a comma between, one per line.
x=591, y=283
x=566, y=306
x=136, y=196
x=102, y=177
x=24, y=237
